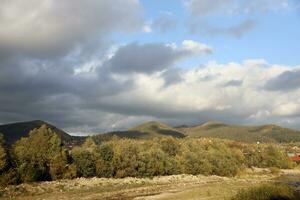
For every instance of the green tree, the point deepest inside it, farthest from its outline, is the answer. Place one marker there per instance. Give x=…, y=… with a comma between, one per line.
x=34, y=154
x=104, y=167
x=84, y=160
x=59, y=166
x=275, y=157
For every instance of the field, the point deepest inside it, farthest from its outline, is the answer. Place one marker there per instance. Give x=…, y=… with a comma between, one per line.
x=186, y=187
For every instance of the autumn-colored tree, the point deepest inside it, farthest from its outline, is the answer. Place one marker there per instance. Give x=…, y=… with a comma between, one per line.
x=84, y=161
x=34, y=154
x=3, y=155
x=104, y=165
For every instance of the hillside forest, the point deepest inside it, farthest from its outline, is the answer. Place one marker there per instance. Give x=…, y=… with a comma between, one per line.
x=41, y=156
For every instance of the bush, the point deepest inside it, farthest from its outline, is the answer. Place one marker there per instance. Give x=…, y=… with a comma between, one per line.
x=4, y=163
x=267, y=192
x=10, y=177
x=84, y=161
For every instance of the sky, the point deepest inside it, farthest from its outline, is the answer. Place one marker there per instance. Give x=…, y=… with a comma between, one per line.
x=96, y=66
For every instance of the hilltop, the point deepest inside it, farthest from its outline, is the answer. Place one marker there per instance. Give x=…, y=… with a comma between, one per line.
x=15, y=131
x=146, y=130
x=154, y=128
x=265, y=133
x=212, y=129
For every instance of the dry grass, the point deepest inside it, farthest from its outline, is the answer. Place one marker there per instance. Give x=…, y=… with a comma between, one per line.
x=177, y=187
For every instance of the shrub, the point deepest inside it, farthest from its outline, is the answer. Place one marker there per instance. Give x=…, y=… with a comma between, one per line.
x=84, y=161
x=267, y=192
x=10, y=177
x=4, y=160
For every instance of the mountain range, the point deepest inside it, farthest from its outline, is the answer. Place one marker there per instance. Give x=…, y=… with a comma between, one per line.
x=212, y=129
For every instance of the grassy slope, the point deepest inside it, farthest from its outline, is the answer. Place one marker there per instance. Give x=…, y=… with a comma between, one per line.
x=266, y=133
x=154, y=129
x=147, y=130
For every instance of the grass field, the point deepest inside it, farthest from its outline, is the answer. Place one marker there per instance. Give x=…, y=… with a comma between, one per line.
x=177, y=187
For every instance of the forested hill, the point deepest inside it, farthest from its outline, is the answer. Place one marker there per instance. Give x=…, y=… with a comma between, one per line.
x=153, y=129
x=148, y=130
x=14, y=131
x=250, y=134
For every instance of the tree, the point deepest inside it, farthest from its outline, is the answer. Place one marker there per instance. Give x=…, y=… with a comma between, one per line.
x=34, y=154
x=3, y=155
x=84, y=161
x=169, y=145
x=59, y=166
x=104, y=167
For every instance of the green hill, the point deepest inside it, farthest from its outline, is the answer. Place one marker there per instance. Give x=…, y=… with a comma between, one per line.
x=154, y=129
x=266, y=133
x=213, y=129
x=13, y=132
x=147, y=130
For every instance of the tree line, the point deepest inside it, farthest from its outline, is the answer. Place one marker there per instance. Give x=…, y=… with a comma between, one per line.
x=42, y=157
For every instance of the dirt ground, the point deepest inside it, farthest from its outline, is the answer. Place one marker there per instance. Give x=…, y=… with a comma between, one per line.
x=186, y=187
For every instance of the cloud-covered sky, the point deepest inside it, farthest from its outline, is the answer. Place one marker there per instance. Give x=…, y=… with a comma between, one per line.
x=93, y=66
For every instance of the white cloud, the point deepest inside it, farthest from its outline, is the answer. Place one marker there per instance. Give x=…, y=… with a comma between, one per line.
x=147, y=28
x=287, y=109
x=196, y=47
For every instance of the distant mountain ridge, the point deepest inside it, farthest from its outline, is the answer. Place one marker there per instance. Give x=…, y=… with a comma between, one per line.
x=153, y=129
x=146, y=130
x=264, y=133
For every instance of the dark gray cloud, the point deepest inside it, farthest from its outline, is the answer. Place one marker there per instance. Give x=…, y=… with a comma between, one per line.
x=172, y=76
x=145, y=58
x=51, y=90
x=288, y=80
x=54, y=28
x=43, y=45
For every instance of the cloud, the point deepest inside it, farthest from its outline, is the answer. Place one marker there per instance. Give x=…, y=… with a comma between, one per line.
x=286, y=81
x=53, y=28
x=57, y=64
x=233, y=83
x=203, y=8
x=202, y=11
x=165, y=22
x=196, y=47
x=236, y=30
x=73, y=95
x=152, y=57
x=290, y=109
x=90, y=102
x=147, y=28
x=172, y=76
